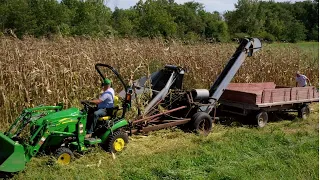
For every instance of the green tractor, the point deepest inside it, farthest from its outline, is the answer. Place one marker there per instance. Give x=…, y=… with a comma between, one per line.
x=52, y=129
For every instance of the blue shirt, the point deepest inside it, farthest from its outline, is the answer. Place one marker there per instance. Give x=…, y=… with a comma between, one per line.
x=301, y=80
x=107, y=99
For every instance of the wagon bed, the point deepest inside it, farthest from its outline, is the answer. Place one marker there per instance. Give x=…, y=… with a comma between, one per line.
x=244, y=98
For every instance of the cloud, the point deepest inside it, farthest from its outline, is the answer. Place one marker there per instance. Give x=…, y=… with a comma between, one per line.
x=123, y=4
x=222, y=5
x=216, y=5
x=210, y=5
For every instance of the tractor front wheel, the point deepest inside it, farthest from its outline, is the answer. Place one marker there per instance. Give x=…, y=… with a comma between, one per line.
x=201, y=123
x=63, y=155
x=117, y=141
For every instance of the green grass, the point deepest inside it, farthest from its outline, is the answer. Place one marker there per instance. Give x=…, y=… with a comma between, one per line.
x=287, y=149
x=305, y=47
x=310, y=48
x=309, y=52
x=309, y=45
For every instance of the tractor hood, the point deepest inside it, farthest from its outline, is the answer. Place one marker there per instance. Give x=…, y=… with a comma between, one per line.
x=71, y=112
x=67, y=114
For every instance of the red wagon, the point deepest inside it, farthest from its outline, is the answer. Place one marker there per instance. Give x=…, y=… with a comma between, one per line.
x=258, y=99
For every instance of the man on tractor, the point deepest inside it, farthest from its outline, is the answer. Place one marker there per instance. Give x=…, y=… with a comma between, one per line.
x=104, y=103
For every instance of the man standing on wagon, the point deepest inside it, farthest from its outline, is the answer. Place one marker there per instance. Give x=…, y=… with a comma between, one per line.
x=301, y=80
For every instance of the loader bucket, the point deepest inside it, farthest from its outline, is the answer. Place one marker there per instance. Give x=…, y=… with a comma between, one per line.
x=12, y=158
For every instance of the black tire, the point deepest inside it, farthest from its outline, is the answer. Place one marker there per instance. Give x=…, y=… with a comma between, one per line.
x=116, y=142
x=201, y=123
x=304, y=112
x=262, y=119
x=6, y=175
x=63, y=156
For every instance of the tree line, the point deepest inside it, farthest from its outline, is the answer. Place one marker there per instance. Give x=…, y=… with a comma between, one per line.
x=272, y=21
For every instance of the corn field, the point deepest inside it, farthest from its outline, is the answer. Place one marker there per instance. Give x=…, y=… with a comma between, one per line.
x=40, y=71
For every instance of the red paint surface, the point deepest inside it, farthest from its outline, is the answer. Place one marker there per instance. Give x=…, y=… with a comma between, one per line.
x=268, y=92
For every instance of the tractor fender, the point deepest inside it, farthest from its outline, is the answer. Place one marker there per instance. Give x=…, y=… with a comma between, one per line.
x=116, y=126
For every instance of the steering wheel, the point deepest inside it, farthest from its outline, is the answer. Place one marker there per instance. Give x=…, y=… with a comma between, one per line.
x=87, y=105
x=85, y=102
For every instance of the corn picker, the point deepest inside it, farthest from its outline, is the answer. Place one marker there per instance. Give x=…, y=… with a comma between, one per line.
x=53, y=129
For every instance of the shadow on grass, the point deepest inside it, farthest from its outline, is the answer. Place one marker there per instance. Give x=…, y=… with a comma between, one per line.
x=6, y=175
x=250, y=121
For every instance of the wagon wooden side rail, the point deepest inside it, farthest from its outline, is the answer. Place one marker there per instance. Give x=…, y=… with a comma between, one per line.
x=261, y=98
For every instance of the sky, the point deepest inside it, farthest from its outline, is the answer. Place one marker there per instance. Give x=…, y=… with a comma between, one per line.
x=210, y=5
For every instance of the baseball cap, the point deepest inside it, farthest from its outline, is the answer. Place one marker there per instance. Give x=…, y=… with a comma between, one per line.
x=106, y=81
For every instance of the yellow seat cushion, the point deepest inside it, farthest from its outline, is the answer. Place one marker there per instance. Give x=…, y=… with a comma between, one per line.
x=105, y=118
x=116, y=101
x=116, y=105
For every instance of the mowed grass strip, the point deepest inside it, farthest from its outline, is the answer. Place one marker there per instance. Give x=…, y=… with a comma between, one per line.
x=286, y=149
x=309, y=49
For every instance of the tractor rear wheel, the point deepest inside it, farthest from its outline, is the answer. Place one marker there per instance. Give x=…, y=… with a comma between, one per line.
x=201, y=123
x=63, y=155
x=117, y=141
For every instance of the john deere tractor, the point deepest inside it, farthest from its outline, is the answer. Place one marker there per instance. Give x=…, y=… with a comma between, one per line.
x=53, y=129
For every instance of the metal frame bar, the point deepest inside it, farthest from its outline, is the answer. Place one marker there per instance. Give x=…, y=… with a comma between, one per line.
x=160, y=126
x=246, y=48
x=150, y=118
x=266, y=106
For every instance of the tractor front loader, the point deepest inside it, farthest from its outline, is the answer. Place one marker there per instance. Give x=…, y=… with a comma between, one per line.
x=52, y=129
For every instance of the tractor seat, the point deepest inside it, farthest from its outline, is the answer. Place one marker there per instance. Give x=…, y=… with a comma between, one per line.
x=116, y=107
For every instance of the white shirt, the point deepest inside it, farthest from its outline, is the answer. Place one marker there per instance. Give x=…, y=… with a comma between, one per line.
x=301, y=80
x=107, y=99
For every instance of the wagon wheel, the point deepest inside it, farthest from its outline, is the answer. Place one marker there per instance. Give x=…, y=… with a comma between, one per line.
x=201, y=123
x=304, y=112
x=262, y=119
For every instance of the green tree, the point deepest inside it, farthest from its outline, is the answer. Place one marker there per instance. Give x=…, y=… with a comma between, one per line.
x=307, y=12
x=295, y=31
x=123, y=21
x=245, y=18
x=18, y=17
x=89, y=17
x=187, y=18
x=49, y=16
x=154, y=19
x=151, y=18
x=3, y=14
x=214, y=26
x=275, y=21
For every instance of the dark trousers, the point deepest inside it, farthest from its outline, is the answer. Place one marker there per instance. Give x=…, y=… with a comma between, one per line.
x=96, y=115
